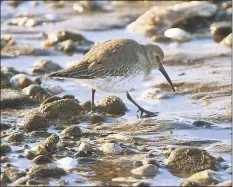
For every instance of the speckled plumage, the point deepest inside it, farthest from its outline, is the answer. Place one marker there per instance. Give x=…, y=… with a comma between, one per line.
x=114, y=65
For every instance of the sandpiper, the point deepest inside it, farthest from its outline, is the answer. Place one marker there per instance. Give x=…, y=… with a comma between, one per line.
x=116, y=66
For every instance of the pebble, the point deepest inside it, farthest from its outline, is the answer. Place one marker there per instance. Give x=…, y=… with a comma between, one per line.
x=112, y=148
x=190, y=159
x=146, y=170
x=227, y=41
x=34, y=121
x=202, y=124
x=177, y=34
x=219, y=30
x=47, y=65
x=67, y=163
x=45, y=171
x=206, y=177
x=112, y=105
x=61, y=109
x=20, y=81
x=5, y=149
x=72, y=131
x=36, y=91
x=87, y=160
x=41, y=159
x=16, y=137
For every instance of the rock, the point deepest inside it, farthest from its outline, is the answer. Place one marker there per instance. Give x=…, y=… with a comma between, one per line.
x=14, y=99
x=112, y=148
x=4, y=126
x=7, y=41
x=225, y=183
x=36, y=91
x=112, y=105
x=32, y=182
x=41, y=159
x=20, y=81
x=56, y=37
x=220, y=30
x=157, y=20
x=72, y=131
x=177, y=34
x=141, y=184
x=50, y=143
x=4, y=179
x=151, y=161
x=16, y=137
x=68, y=96
x=50, y=100
x=45, y=171
x=61, y=109
x=87, y=106
x=227, y=41
x=86, y=6
x=160, y=38
x=86, y=160
x=34, y=121
x=5, y=78
x=67, y=46
x=36, y=151
x=18, y=50
x=188, y=159
x=81, y=153
x=202, y=124
x=21, y=181
x=190, y=184
x=47, y=65
x=96, y=118
x=67, y=163
x=13, y=174
x=206, y=177
x=84, y=146
x=146, y=170
x=5, y=149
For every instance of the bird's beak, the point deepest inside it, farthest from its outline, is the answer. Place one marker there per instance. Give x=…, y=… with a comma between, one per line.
x=163, y=71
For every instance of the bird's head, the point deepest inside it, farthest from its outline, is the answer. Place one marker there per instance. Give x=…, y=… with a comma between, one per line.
x=155, y=56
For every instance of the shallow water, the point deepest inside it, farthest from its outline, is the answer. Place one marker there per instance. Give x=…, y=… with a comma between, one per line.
x=169, y=109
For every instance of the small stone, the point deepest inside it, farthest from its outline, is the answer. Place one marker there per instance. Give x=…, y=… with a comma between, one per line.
x=4, y=179
x=67, y=46
x=151, y=161
x=227, y=41
x=47, y=65
x=190, y=184
x=87, y=160
x=63, y=182
x=112, y=105
x=84, y=146
x=189, y=159
x=160, y=38
x=141, y=184
x=36, y=91
x=20, y=81
x=86, y=6
x=13, y=174
x=50, y=143
x=50, y=100
x=87, y=106
x=61, y=109
x=202, y=124
x=220, y=30
x=96, y=118
x=206, y=177
x=146, y=170
x=21, y=181
x=16, y=137
x=41, y=159
x=68, y=96
x=177, y=34
x=138, y=163
x=67, y=163
x=5, y=149
x=4, y=126
x=72, y=131
x=34, y=121
x=112, y=148
x=81, y=153
x=45, y=170
x=32, y=182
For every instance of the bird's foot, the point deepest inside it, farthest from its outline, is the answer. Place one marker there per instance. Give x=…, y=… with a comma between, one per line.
x=148, y=113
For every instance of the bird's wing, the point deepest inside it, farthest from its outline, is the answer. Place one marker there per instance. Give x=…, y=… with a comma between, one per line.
x=114, y=57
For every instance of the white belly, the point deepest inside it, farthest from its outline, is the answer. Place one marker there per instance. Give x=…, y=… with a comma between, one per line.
x=116, y=84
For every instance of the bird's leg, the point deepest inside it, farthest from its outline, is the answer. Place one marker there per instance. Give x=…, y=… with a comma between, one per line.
x=93, y=100
x=148, y=113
